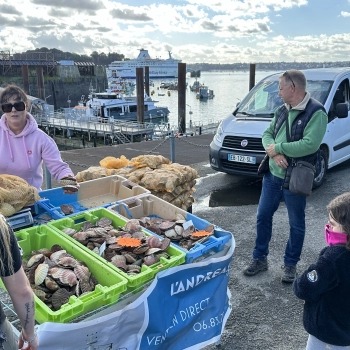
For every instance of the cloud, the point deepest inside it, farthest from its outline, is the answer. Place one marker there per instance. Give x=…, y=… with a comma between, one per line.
x=210, y=26
x=345, y=14
x=81, y=5
x=9, y=9
x=130, y=15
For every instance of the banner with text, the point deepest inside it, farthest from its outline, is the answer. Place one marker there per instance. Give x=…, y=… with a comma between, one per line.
x=185, y=307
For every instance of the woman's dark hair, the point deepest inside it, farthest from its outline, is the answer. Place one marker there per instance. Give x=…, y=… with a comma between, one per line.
x=339, y=210
x=16, y=92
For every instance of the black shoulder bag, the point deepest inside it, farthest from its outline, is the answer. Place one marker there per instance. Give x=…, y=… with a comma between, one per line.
x=302, y=175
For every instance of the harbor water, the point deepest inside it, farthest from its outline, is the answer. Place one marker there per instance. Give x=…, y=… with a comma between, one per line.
x=229, y=88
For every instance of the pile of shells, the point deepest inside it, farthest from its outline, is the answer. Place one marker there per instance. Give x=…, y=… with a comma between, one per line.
x=186, y=238
x=55, y=275
x=127, y=248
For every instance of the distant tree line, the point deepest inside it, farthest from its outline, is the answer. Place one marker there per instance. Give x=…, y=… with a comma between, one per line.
x=99, y=58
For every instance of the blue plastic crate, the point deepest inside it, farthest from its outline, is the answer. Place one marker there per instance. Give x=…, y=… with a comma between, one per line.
x=92, y=194
x=150, y=205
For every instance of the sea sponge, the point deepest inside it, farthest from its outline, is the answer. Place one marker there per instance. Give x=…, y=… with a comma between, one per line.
x=114, y=163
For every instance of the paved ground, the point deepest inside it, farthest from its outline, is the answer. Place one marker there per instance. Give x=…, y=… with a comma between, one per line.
x=266, y=315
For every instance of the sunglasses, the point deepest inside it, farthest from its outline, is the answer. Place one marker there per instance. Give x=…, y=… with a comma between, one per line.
x=289, y=77
x=7, y=107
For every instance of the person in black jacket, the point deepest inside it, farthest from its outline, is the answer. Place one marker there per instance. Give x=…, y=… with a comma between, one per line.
x=325, y=285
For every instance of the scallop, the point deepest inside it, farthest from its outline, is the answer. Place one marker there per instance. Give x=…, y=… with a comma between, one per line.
x=68, y=261
x=165, y=243
x=104, y=222
x=56, y=255
x=59, y=298
x=68, y=277
x=167, y=225
x=150, y=259
x=82, y=272
x=37, y=258
x=69, y=231
x=40, y=273
x=51, y=284
x=154, y=242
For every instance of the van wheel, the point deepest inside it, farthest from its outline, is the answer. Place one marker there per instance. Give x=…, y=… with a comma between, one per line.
x=320, y=176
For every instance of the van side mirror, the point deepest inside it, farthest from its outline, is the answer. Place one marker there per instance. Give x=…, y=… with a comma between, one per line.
x=341, y=110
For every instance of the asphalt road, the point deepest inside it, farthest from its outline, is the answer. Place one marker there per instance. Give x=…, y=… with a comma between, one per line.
x=266, y=315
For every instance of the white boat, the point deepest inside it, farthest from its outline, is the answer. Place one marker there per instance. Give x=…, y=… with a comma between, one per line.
x=110, y=106
x=204, y=93
x=158, y=68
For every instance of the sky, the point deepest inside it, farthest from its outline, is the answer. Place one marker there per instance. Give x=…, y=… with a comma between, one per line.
x=195, y=31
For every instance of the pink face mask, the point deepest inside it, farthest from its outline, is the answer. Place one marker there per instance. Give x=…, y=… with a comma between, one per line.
x=333, y=237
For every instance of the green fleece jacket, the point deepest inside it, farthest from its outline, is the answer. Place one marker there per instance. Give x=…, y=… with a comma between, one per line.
x=311, y=141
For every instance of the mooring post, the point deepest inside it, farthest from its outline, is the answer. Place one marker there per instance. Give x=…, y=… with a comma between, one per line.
x=181, y=86
x=140, y=96
x=251, y=75
x=147, y=80
x=172, y=147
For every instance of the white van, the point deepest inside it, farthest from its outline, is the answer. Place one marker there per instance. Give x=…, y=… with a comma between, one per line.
x=237, y=148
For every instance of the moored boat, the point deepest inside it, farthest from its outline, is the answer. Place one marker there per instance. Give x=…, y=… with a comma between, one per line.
x=109, y=106
x=158, y=68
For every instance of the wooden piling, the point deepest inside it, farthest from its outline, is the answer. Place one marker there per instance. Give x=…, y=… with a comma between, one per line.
x=147, y=80
x=251, y=76
x=40, y=82
x=140, y=95
x=181, y=85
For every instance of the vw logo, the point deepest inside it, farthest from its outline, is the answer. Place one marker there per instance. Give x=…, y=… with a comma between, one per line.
x=244, y=143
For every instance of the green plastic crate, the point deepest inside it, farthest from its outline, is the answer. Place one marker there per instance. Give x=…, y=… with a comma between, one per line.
x=177, y=257
x=110, y=286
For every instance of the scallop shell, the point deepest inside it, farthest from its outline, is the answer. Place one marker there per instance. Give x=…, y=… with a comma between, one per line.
x=165, y=243
x=56, y=272
x=40, y=273
x=104, y=222
x=86, y=286
x=166, y=225
x=45, y=251
x=68, y=277
x=179, y=217
x=179, y=230
x=171, y=233
x=55, y=248
x=72, y=188
x=154, y=242
x=40, y=294
x=68, y=180
x=152, y=251
x=80, y=236
x=56, y=255
x=67, y=261
x=59, y=298
x=51, y=284
x=139, y=235
x=67, y=209
x=35, y=259
x=87, y=225
x=210, y=228
x=69, y=231
x=132, y=226
x=82, y=272
x=150, y=259
x=141, y=249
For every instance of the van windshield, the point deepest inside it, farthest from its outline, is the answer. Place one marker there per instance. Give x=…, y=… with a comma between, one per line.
x=263, y=99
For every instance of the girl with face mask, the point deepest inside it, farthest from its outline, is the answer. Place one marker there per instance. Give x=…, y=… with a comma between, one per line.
x=325, y=285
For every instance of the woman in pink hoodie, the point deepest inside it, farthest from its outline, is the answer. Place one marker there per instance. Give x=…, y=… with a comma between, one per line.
x=24, y=147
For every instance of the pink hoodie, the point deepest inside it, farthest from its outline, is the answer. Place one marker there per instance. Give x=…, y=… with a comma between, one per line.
x=22, y=155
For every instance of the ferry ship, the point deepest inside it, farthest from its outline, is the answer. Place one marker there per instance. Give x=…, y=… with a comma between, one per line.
x=158, y=68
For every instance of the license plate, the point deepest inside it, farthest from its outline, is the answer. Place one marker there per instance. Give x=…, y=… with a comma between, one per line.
x=241, y=159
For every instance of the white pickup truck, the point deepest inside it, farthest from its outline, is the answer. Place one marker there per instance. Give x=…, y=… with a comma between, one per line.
x=237, y=148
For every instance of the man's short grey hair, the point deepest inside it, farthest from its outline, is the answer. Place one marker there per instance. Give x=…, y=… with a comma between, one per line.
x=296, y=77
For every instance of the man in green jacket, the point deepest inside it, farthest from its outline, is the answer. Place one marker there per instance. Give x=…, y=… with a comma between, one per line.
x=307, y=122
